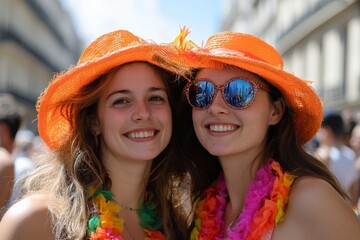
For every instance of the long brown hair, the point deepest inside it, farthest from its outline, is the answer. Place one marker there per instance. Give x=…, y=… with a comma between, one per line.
x=69, y=173
x=282, y=145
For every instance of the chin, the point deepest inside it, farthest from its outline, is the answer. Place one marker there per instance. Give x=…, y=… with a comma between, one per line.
x=145, y=158
x=218, y=151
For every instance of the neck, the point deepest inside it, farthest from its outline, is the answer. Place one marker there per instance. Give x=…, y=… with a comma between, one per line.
x=239, y=171
x=129, y=180
x=129, y=183
x=268, y=193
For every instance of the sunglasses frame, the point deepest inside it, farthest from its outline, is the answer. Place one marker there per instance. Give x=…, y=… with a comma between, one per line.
x=256, y=85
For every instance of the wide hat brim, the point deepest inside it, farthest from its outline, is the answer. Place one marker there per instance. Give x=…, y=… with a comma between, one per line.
x=106, y=52
x=260, y=58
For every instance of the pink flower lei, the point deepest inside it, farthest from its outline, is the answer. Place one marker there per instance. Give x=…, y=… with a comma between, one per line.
x=264, y=207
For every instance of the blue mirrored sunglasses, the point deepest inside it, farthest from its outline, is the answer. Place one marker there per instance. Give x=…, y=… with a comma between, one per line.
x=238, y=93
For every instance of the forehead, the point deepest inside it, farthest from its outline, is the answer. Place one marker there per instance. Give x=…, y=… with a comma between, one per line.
x=226, y=73
x=136, y=75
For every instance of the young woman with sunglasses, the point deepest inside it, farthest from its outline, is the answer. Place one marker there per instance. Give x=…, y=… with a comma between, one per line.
x=251, y=177
x=110, y=124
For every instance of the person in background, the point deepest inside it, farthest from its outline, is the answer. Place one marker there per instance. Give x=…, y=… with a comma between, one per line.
x=23, y=161
x=6, y=178
x=10, y=121
x=111, y=172
x=251, y=177
x=350, y=121
x=355, y=144
x=333, y=149
x=355, y=140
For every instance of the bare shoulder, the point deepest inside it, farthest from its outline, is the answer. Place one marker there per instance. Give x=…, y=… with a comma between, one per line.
x=310, y=192
x=317, y=211
x=311, y=195
x=27, y=219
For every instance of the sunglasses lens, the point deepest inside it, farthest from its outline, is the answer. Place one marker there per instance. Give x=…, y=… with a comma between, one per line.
x=239, y=93
x=201, y=94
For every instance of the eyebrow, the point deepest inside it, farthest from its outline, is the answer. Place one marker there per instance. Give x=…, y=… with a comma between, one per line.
x=125, y=91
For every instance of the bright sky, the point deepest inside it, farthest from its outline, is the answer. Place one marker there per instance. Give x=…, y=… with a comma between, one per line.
x=159, y=20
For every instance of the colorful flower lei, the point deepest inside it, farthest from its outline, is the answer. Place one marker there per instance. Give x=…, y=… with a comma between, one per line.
x=264, y=207
x=104, y=224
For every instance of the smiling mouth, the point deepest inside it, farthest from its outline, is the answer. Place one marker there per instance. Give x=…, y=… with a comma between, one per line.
x=141, y=134
x=222, y=127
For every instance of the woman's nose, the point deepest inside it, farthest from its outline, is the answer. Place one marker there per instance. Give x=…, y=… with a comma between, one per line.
x=218, y=106
x=141, y=112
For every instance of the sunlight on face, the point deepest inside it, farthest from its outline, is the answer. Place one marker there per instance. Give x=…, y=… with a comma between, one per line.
x=225, y=131
x=134, y=115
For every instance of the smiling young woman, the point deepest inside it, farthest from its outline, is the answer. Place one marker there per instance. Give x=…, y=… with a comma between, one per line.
x=109, y=123
x=245, y=126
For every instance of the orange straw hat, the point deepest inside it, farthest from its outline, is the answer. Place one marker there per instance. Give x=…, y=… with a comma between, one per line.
x=106, y=52
x=254, y=55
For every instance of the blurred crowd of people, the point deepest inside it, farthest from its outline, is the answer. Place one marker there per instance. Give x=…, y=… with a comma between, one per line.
x=17, y=149
x=337, y=145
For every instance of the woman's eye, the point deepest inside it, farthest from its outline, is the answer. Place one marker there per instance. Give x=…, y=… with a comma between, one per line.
x=157, y=99
x=121, y=101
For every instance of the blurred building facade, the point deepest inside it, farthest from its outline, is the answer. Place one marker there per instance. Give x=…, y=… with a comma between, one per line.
x=37, y=39
x=318, y=39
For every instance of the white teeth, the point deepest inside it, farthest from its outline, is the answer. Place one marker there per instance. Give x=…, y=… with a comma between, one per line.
x=142, y=134
x=222, y=128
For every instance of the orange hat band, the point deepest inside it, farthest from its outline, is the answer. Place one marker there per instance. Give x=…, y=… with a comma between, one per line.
x=223, y=52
